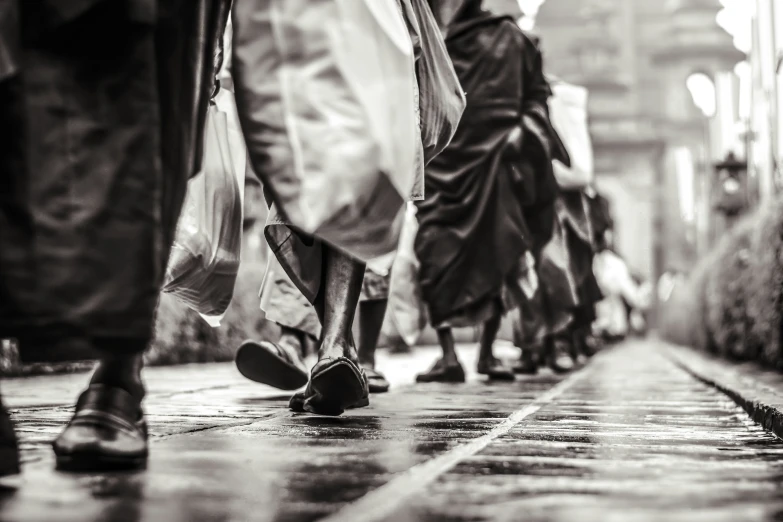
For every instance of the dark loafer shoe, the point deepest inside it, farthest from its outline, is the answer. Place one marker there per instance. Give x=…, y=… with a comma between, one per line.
x=107, y=432
x=527, y=365
x=495, y=370
x=560, y=360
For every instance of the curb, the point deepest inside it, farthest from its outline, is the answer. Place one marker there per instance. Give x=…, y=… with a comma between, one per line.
x=754, y=390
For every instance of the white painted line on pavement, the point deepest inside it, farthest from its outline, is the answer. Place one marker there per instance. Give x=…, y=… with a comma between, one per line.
x=385, y=500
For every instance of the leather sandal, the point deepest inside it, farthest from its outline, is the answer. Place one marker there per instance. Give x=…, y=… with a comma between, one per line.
x=376, y=381
x=271, y=364
x=336, y=384
x=107, y=432
x=297, y=401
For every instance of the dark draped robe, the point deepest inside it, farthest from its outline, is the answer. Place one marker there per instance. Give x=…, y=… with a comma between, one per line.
x=600, y=214
x=565, y=267
x=561, y=224
x=472, y=230
x=579, y=230
x=102, y=106
x=568, y=290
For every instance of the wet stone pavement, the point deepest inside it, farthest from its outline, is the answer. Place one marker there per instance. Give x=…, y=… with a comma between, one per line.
x=631, y=436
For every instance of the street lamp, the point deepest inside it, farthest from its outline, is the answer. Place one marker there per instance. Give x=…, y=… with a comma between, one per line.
x=731, y=197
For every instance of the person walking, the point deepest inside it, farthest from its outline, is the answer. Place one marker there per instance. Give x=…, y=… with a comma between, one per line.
x=321, y=273
x=102, y=106
x=280, y=363
x=473, y=234
x=556, y=328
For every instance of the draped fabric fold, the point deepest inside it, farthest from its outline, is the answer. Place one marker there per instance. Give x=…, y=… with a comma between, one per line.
x=566, y=263
x=10, y=39
x=102, y=121
x=286, y=125
x=542, y=146
x=472, y=231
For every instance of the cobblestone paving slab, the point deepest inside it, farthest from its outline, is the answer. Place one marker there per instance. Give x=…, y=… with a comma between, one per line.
x=630, y=437
x=179, y=400
x=226, y=449
x=636, y=438
x=757, y=390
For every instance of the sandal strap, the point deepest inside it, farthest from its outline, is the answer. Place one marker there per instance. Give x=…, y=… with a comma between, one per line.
x=323, y=364
x=373, y=374
x=280, y=350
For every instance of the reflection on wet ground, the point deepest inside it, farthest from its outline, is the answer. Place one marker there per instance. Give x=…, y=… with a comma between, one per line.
x=635, y=439
x=631, y=436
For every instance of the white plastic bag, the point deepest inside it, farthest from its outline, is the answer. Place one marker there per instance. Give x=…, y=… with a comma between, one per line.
x=568, y=114
x=225, y=103
x=406, y=307
x=327, y=96
x=205, y=256
x=614, y=278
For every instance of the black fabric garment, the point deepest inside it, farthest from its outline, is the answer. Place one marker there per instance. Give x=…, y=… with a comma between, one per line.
x=599, y=220
x=575, y=213
x=557, y=277
x=579, y=229
x=44, y=18
x=100, y=129
x=541, y=146
x=600, y=215
x=187, y=38
x=566, y=265
x=583, y=318
x=472, y=233
x=449, y=12
x=10, y=39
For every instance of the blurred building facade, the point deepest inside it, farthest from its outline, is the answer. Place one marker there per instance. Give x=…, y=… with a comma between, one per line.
x=765, y=118
x=654, y=148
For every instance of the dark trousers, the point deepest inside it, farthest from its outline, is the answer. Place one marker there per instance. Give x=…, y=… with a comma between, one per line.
x=99, y=134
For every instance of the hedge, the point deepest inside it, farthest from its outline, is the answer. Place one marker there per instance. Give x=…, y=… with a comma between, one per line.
x=726, y=297
x=731, y=303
